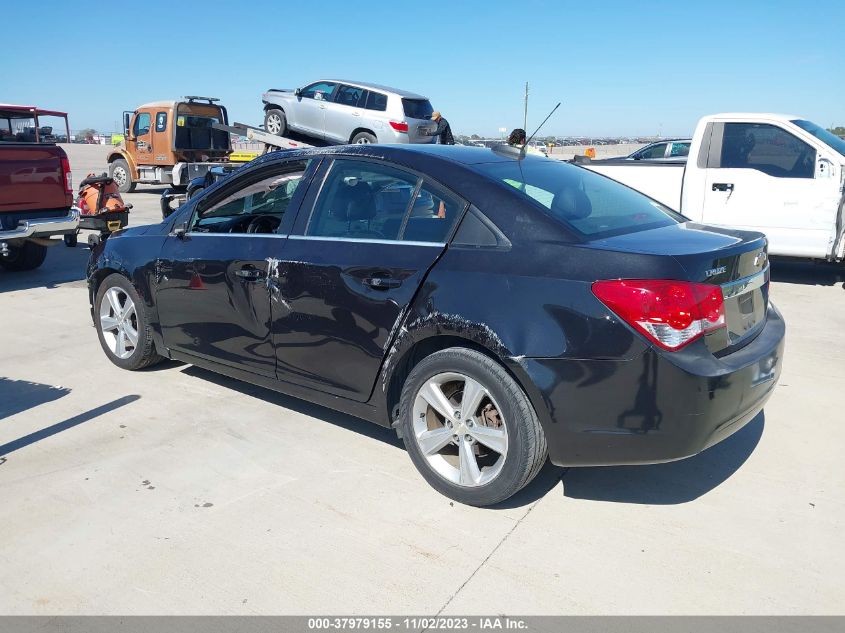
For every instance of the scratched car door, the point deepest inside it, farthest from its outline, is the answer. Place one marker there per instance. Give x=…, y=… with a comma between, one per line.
x=213, y=282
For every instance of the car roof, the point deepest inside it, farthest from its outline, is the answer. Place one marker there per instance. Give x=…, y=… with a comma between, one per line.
x=371, y=86
x=751, y=116
x=462, y=154
x=30, y=109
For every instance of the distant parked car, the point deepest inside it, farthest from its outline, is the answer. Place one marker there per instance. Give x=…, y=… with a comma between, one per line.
x=349, y=112
x=673, y=149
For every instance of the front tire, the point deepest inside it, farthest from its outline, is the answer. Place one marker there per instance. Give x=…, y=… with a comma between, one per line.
x=122, y=324
x=119, y=170
x=275, y=122
x=469, y=428
x=364, y=138
x=27, y=256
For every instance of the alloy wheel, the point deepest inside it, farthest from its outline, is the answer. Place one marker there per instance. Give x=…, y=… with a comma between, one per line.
x=459, y=430
x=274, y=124
x=119, y=322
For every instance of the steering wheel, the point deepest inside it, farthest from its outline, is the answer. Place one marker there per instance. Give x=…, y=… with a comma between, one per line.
x=263, y=224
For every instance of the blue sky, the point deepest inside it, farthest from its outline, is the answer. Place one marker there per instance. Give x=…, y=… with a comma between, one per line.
x=620, y=68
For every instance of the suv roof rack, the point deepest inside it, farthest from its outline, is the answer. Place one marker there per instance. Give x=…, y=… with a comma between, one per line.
x=192, y=98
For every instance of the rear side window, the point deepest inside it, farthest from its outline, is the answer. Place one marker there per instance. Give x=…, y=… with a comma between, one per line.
x=586, y=202
x=362, y=200
x=432, y=216
x=417, y=108
x=656, y=151
x=766, y=148
x=350, y=96
x=679, y=149
x=376, y=101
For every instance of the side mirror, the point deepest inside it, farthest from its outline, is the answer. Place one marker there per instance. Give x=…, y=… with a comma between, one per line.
x=180, y=230
x=825, y=169
x=297, y=92
x=126, y=120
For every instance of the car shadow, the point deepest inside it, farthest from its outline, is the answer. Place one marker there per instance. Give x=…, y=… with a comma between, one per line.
x=342, y=420
x=796, y=271
x=21, y=395
x=63, y=265
x=670, y=483
x=64, y=425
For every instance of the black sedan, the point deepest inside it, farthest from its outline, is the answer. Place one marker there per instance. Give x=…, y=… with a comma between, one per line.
x=495, y=309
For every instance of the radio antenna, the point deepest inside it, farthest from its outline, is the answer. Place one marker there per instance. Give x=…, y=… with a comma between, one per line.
x=543, y=123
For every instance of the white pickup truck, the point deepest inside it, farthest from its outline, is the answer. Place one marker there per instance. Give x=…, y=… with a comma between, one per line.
x=781, y=175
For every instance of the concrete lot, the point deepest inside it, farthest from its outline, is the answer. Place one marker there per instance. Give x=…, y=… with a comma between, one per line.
x=178, y=491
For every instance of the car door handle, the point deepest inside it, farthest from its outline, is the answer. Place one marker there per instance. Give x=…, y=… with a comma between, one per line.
x=250, y=274
x=723, y=186
x=382, y=283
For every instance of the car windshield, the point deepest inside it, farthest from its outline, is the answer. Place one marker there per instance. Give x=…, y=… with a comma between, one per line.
x=826, y=137
x=417, y=108
x=593, y=205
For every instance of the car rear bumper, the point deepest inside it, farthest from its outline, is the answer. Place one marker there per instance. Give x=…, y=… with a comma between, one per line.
x=43, y=227
x=657, y=407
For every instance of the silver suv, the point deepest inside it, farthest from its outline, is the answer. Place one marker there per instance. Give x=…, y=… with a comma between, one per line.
x=349, y=112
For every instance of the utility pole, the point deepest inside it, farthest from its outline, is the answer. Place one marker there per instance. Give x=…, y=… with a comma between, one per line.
x=525, y=117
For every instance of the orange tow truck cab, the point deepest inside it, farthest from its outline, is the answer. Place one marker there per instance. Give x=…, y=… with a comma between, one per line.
x=170, y=143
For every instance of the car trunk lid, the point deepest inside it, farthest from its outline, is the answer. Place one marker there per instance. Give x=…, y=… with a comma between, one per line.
x=737, y=261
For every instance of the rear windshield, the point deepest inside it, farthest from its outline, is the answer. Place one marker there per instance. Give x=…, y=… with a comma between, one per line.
x=417, y=108
x=592, y=205
x=19, y=127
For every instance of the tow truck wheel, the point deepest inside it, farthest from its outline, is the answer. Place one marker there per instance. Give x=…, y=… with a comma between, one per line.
x=275, y=122
x=119, y=170
x=70, y=240
x=27, y=256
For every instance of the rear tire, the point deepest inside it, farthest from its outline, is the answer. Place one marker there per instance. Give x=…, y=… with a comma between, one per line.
x=275, y=122
x=28, y=256
x=364, y=138
x=119, y=170
x=506, y=443
x=123, y=326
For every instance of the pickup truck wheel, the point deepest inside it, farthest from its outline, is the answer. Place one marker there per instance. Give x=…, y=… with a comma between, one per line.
x=364, y=138
x=122, y=324
x=275, y=122
x=469, y=428
x=119, y=170
x=25, y=257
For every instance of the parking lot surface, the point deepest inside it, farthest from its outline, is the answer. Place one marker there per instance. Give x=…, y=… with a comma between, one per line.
x=178, y=491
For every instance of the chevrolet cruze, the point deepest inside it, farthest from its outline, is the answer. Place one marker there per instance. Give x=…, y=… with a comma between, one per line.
x=496, y=309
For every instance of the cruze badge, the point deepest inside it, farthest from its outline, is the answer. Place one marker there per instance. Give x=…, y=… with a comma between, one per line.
x=760, y=259
x=715, y=271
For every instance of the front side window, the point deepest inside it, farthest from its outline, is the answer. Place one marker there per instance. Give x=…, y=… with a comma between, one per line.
x=256, y=204
x=142, y=124
x=161, y=121
x=321, y=91
x=349, y=96
x=768, y=149
x=592, y=205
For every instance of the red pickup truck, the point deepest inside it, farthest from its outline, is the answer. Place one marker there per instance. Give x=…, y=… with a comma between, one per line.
x=36, y=191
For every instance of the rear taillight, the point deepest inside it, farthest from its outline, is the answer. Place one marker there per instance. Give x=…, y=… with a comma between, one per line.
x=399, y=126
x=68, y=176
x=671, y=314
